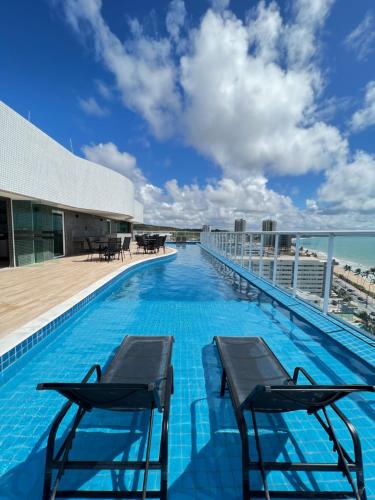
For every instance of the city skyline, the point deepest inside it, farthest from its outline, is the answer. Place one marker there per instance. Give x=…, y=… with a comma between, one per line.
x=283, y=132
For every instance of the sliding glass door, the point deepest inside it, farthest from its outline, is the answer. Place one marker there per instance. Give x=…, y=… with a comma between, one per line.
x=38, y=232
x=58, y=233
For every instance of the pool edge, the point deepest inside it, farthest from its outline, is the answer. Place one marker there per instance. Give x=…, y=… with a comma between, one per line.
x=21, y=340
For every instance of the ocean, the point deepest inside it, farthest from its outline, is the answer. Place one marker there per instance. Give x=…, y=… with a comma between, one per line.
x=357, y=251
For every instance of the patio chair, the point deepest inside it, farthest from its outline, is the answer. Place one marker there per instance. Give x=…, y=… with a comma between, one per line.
x=160, y=242
x=90, y=249
x=258, y=382
x=126, y=246
x=140, y=242
x=139, y=378
x=113, y=249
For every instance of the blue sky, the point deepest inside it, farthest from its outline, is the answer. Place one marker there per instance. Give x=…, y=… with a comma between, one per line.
x=215, y=109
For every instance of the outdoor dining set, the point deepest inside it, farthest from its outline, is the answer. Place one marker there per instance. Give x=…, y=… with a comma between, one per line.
x=150, y=243
x=110, y=248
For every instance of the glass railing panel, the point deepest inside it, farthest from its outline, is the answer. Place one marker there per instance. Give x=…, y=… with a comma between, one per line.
x=353, y=289
x=283, y=265
x=312, y=269
x=246, y=250
x=238, y=248
x=268, y=256
x=255, y=253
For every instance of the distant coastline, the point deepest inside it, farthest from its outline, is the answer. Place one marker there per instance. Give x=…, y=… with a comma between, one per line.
x=357, y=252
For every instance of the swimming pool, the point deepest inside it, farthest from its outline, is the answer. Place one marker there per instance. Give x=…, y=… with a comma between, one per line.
x=186, y=297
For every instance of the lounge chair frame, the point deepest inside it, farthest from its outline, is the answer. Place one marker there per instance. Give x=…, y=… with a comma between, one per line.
x=59, y=460
x=345, y=463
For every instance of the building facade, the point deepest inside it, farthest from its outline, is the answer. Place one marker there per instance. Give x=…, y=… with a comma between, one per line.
x=311, y=272
x=240, y=225
x=269, y=239
x=269, y=225
x=52, y=200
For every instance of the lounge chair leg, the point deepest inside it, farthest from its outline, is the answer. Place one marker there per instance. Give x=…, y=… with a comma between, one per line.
x=163, y=489
x=223, y=383
x=260, y=456
x=163, y=455
x=245, y=455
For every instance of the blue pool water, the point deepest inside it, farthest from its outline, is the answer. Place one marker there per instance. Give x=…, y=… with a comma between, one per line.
x=186, y=297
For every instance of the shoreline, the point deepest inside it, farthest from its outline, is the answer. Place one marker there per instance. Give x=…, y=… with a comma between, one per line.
x=349, y=276
x=342, y=261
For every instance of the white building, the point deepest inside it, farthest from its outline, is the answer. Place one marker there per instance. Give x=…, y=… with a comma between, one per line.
x=311, y=272
x=240, y=225
x=51, y=199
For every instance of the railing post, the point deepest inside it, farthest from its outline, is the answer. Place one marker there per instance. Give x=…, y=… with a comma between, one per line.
x=242, y=245
x=296, y=262
x=260, y=269
x=235, y=247
x=328, y=275
x=250, y=251
x=275, y=255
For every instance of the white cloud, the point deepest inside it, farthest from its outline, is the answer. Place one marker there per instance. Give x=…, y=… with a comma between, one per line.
x=91, y=107
x=220, y=5
x=122, y=162
x=351, y=187
x=301, y=40
x=229, y=96
x=361, y=39
x=142, y=68
x=245, y=111
x=365, y=117
x=243, y=93
x=217, y=203
x=103, y=89
x=175, y=19
x=221, y=202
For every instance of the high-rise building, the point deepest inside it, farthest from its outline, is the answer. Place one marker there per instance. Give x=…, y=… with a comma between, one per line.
x=269, y=239
x=285, y=243
x=240, y=225
x=269, y=225
x=206, y=228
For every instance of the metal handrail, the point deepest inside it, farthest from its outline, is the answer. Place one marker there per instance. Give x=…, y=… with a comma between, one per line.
x=254, y=244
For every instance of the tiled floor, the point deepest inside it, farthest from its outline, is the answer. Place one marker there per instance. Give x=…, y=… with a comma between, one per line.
x=27, y=292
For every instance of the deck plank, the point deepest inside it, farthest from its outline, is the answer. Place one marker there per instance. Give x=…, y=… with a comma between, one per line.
x=27, y=292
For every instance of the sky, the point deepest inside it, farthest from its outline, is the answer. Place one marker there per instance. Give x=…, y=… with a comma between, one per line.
x=216, y=109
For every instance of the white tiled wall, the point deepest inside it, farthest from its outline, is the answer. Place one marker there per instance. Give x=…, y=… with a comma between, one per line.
x=32, y=164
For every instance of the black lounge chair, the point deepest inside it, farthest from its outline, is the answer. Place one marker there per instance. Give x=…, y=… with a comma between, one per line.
x=140, y=377
x=258, y=382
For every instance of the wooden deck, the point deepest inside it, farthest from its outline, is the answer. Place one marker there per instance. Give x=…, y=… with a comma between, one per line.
x=27, y=292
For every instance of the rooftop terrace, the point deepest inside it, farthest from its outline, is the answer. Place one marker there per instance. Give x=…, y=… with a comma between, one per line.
x=192, y=297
